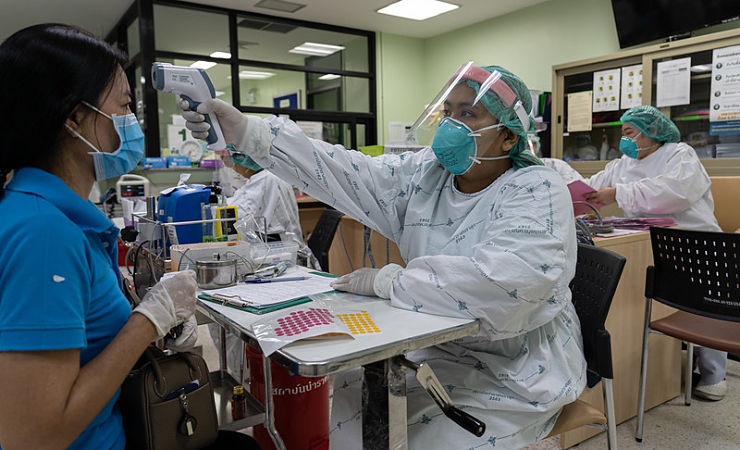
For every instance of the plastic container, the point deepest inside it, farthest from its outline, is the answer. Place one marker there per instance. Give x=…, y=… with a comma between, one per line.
x=275, y=252
x=301, y=406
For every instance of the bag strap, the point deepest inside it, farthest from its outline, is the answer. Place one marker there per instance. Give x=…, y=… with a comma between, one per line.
x=153, y=355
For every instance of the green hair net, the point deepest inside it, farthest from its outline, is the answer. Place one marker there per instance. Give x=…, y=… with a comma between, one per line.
x=652, y=123
x=520, y=157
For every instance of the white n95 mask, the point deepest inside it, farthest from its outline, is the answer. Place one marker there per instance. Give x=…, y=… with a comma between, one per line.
x=124, y=159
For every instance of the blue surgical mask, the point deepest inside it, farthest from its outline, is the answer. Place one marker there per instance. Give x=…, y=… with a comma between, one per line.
x=629, y=147
x=129, y=153
x=456, y=148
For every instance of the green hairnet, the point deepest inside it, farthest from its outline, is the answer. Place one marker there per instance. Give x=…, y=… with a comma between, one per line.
x=506, y=115
x=652, y=123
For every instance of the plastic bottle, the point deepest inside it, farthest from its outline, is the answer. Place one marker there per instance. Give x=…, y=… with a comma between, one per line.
x=238, y=403
x=604, y=147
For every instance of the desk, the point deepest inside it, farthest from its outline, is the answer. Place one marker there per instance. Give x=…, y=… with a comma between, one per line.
x=624, y=323
x=402, y=332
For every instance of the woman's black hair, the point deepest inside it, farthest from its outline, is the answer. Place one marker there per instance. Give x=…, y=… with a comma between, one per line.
x=47, y=70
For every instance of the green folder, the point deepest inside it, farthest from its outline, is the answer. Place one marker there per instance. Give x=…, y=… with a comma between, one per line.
x=253, y=310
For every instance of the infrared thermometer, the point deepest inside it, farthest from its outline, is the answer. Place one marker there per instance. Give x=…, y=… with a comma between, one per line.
x=194, y=86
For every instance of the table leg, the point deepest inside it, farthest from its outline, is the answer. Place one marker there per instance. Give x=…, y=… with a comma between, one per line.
x=223, y=362
x=269, y=405
x=384, y=406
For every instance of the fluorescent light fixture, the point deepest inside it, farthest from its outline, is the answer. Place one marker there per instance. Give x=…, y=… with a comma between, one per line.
x=417, y=9
x=205, y=65
x=316, y=49
x=220, y=93
x=700, y=68
x=225, y=55
x=329, y=76
x=253, y=75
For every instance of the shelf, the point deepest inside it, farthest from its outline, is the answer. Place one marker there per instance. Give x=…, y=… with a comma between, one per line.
x=222, y=392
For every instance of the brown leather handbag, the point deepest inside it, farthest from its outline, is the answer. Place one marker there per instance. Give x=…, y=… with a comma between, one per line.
x=167, y=403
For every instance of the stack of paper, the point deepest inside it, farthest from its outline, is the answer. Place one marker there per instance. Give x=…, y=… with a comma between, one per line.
x=273, y=293
x=638, y=223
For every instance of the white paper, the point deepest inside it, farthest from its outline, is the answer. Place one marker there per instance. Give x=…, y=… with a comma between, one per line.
x=266, y=294
x=311, y=129
x=397, y=131
x=606, y=90
x=724, y=100
x=579, y=111
x=674, y=82
x=176, y=136
x=631, y=86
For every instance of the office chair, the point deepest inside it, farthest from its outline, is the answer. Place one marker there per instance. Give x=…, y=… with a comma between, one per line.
x=322, y=235
x=597, y=274
x=698, y=273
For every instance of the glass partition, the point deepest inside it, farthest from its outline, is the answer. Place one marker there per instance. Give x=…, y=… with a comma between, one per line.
x=190, y=31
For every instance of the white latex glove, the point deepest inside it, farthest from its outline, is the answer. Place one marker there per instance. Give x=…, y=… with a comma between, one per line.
x=169, y=302
x=187, y=338
x=358, y=282
x=249, y=134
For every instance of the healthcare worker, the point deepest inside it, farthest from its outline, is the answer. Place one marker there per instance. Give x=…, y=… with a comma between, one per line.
x=68, y=337
x=660, y=176
x=486, y=231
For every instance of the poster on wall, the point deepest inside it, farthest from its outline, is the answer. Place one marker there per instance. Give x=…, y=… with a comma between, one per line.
x=579, y=111
x=724, y=100
x=674, y=83
x=606, y=90
x=631, y=86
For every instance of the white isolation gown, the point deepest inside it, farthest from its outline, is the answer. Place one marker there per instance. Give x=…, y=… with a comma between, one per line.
x=504, y=255
x=670, y=182
x=265, y=195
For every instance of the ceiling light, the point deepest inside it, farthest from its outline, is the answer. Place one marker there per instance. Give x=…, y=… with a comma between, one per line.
x=220, y=93
x=225, y=55
x=205, y=65
x=417, y=9
x=279, y=5
x=315, y=49
x=253, y=75
x=329, y=76
x=143, y=79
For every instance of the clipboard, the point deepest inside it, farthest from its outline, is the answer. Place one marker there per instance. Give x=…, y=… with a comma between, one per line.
x=250, y=309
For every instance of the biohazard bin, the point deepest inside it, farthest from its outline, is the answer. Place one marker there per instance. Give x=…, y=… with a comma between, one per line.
x=301, y=406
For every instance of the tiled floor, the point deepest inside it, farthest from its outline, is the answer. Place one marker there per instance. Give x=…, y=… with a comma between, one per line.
x=703, y=425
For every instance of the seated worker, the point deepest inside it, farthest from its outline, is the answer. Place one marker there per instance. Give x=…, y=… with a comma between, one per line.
x=486, y=231
x=660, y=176
x=68, y=337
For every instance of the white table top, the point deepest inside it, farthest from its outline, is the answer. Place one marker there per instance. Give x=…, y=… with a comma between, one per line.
x=401, y=332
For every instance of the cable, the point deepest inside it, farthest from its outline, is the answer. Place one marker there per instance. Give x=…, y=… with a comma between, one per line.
x=344, y=245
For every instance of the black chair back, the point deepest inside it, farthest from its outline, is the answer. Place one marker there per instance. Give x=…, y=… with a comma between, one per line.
x=696, y=271
x=322, y=236
x=597, y=274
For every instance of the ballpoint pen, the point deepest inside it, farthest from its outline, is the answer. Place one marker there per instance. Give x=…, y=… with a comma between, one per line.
x=274, y=280
x=231, y=301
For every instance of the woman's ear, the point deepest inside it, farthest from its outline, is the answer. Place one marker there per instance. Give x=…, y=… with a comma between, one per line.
x=510, y=140
x=74, y=120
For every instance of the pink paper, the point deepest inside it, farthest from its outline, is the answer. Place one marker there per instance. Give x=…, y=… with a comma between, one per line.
x=577, y=191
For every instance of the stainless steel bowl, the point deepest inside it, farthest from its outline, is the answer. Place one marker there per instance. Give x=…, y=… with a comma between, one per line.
x=215, y=273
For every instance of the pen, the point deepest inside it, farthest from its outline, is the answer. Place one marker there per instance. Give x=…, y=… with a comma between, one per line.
x=231, y=301
x=274, y=280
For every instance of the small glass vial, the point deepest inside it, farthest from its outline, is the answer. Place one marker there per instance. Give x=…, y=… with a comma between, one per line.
x=238, y=403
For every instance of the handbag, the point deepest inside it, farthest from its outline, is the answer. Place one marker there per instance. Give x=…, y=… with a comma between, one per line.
x=167, y=403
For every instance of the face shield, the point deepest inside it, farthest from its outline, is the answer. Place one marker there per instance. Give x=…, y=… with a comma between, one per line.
x=423, y=130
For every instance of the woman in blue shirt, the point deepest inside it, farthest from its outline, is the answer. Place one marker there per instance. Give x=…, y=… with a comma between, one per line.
x=67, y=334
